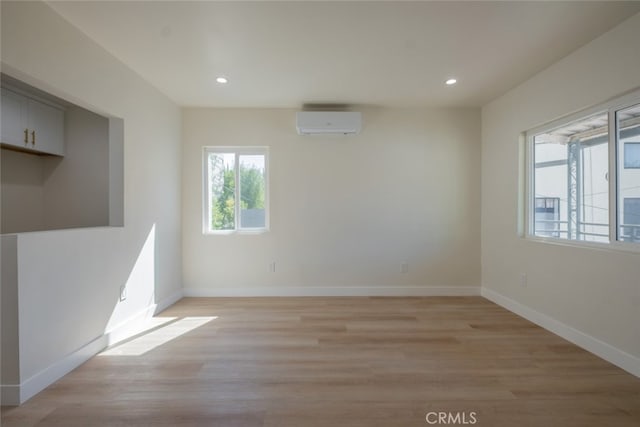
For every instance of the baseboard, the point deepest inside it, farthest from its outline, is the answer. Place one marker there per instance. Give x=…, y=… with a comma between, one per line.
x=601, y=349
x=135, y=324
x=18, y=394
x=321, y=291
x=169, y=301
x=53, y=373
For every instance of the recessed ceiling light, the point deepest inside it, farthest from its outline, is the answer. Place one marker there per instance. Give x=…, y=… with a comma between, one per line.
x=451, y=82
x=221, y=80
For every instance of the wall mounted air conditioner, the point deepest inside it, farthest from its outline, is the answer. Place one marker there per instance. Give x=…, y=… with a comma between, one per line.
x=328, y=122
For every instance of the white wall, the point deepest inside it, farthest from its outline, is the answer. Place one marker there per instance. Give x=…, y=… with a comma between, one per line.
x=595, y=292
x=76, y=186
x=21, y=192
x=69, y=280
x=346, y=211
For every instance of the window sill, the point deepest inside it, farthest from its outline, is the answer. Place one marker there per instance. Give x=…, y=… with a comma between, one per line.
x=616, y=247
x=236, y=232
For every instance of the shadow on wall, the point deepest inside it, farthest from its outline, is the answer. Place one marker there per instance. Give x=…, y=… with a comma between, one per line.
x=72, y=303
x=139, y=288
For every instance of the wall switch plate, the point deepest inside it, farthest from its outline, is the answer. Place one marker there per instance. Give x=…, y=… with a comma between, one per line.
x=404, y=268
x=272, y=267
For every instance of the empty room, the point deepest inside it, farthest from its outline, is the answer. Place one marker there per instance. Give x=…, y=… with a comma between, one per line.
x=320, y=213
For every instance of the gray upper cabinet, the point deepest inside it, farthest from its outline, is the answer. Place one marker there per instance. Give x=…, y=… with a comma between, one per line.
x=31, y=125
x=14, y=119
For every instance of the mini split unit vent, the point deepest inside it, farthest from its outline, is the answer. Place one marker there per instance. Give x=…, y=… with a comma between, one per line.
x=328, y=122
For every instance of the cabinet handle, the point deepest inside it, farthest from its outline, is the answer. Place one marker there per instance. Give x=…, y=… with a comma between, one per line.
x=26, y=136
x=33, y=137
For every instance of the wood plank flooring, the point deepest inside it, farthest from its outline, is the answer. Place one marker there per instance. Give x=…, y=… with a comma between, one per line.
x=361, y=362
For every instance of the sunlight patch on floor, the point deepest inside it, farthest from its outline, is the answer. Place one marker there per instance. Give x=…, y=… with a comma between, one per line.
x=157, y=337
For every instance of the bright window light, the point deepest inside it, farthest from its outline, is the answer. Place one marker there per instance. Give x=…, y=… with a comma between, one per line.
x=236, y=196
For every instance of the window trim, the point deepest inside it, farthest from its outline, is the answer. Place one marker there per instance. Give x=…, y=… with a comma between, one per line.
x=610, y=107
x=237, y=151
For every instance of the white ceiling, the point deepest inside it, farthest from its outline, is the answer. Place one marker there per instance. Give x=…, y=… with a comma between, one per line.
x=286, y=54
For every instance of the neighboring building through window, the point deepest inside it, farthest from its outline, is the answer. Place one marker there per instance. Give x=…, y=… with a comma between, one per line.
x=571, y=165
x=236, y=189
x=632, y=155
x=571, y=189
x=547, y=216
x=630, y=227
x=628, y=183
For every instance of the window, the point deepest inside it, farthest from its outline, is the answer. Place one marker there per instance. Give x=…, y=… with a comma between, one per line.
x=632, y=155
x=570, y=194
x=571, y=164
x=548, y=216
x=628, y=189
x=630, y=227
x=235, y=189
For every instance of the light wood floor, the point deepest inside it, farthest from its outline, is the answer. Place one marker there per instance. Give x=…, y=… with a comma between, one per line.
x=366, y=362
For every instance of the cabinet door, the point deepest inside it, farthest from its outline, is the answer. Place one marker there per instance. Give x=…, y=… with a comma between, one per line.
x=14, y=119
x=46, y=128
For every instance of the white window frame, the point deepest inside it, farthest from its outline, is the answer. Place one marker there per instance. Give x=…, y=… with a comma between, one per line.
x=610, y=107
x=237, y=151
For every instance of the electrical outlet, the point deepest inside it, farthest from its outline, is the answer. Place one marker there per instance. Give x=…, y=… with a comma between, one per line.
x=404, y=268
x=123, y=293
x=523, y=280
